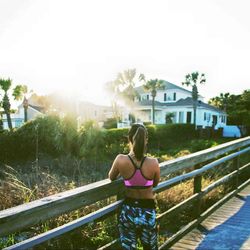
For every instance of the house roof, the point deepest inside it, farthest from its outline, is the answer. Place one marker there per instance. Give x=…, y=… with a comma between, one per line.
x=37, y=108
x=167, y=85
x=149, y=103
x=182, y=102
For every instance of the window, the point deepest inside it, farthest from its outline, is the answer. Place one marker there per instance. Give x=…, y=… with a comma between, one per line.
x=147, y=97
x=205, y=116
x=208, y=117
x=169, y=97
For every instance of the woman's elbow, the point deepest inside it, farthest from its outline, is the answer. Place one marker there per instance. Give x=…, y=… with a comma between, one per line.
x=112, y=178
x=155, y=185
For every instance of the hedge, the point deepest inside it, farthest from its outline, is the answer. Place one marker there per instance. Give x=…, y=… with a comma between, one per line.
x=57, y=137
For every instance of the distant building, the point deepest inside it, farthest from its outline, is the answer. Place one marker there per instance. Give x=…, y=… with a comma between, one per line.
x=178, y=101
x=88, y=111
x=17, y=118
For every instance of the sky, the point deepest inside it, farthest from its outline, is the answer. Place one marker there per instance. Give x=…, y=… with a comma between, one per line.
x=74, y=47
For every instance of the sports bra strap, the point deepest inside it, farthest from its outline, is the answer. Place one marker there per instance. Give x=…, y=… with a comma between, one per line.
x=142, y=161
x=136, y=167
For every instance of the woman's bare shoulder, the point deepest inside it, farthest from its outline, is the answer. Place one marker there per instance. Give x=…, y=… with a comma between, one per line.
x=153, y=161
x=121, y=157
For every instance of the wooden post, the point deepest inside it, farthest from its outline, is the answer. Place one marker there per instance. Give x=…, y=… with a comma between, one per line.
x=197, y=189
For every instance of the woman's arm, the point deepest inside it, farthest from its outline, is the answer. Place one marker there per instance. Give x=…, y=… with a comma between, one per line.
x=157, y=174
x=114, y=171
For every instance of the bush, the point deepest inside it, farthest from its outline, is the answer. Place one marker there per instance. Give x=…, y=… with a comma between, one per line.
x=110, y=123
x=161, y=136
x=57, y=137
x=91, y=142
x=116, y=141
x=45, y=132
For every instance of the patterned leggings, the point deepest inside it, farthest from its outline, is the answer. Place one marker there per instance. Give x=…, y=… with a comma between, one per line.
x=136, y=222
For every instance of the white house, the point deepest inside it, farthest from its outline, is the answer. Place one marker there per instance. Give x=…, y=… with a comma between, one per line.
x=17, y=118
x=178, y=101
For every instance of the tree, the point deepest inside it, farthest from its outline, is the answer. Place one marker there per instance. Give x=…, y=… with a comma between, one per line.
x=220, y=101
x=169, y=117
x=153, y=85
x=192, y=80
x=236, y=106
x=125, y=81
x=17, y=93
x=113, y=89
x=122, y=88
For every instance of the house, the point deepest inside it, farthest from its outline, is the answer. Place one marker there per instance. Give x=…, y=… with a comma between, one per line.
x=88, y=111
x=17, y=118
x=178, y=102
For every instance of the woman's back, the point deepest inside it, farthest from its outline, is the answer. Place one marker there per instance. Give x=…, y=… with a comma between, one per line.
x=149, y=170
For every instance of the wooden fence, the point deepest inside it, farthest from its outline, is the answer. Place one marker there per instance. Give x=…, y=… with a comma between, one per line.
x=183, y=168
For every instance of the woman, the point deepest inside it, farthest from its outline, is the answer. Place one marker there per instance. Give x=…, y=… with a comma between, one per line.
x=140, y=175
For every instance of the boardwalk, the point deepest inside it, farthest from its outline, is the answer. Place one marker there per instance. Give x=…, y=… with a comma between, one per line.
x=226, y=228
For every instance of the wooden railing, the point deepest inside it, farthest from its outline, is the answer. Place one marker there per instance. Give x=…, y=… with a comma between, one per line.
x=26, y=215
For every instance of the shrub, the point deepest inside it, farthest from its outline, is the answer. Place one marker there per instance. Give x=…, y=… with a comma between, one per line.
x=91, y=143
x=110, y=123
x=116, y=141
x=20, y=144
x=161, y=136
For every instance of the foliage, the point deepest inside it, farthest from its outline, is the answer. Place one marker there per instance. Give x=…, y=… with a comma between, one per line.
x=153, y=85
x=110, y=123
x=17, y=93
x=192, y=80
x=116, y=141
x=236, y=106
x=43, y=133
x=162, y=137
x=122, y=88
x=69, y=135
x=169, y=117
x=56, y=137
x=91, y=141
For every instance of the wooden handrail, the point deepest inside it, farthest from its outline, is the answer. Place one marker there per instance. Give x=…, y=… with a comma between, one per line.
x=20, y=217
x=188, y=161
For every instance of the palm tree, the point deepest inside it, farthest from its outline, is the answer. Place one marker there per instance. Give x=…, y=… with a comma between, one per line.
x=126, y=82
x=153, y=86
x=112, y=88
x=192, y=80
x=5, y=85
x=123, y=88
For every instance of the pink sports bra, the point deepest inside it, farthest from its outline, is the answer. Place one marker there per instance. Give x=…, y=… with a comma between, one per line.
x=138, y=180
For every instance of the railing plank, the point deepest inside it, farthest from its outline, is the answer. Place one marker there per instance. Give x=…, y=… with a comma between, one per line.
x=191, y=160
x=97, y=215
x=178, y=179
x=22, y=216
